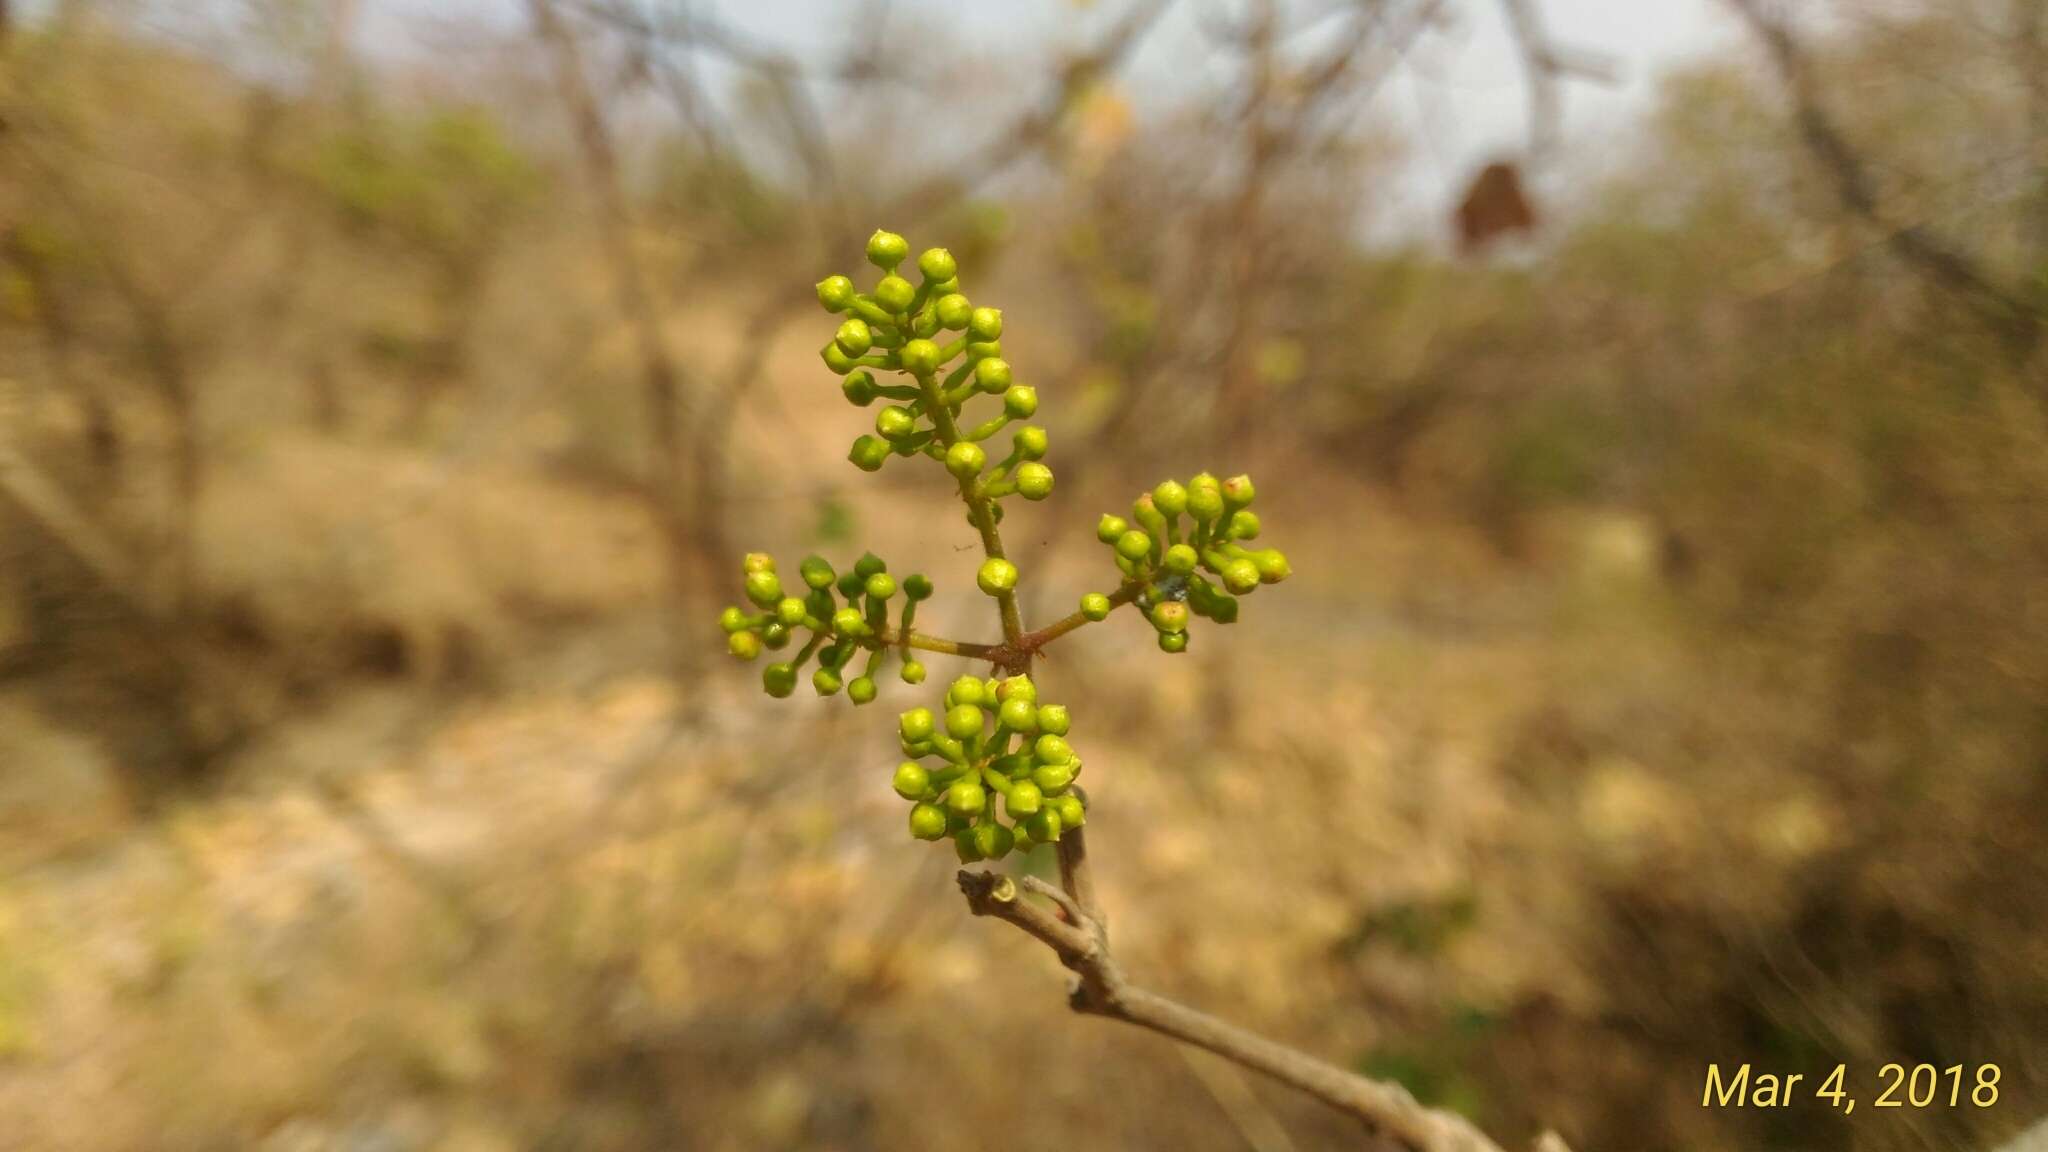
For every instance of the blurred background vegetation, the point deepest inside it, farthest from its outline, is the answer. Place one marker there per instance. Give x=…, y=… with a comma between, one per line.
x=1665, y=679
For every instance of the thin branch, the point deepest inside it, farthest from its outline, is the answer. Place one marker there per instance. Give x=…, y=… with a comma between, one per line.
x=1547, y=65
x=1918, y=246
x=1081, y=941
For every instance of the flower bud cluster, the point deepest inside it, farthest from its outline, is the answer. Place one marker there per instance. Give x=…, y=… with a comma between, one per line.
x=952, y=353
x=991, y=770
x=1175, y=566
x=844, y=614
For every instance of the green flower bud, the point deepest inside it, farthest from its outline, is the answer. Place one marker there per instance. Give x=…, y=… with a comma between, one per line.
x=1169, y=616
x=965, y=797
x=836, y=358
x=963, y=721
x=1030, y=442
x=1205, y=503
x=763, y=588
x=1017, y=688
x=1016, y=715
x=966, y=846
x=1053, y=718
x=779, y=680
x=976, y=353
x=913, y=672
x=894, y=293
x=996, y=576
x=1170, y=498
x=836, y=293
x=849, y=622
x=817, y=572
x=1272, y=565
x=928, y=822
x=1052, y=779
x=1181, y=559
x=915, y=725
x=1096, y=606
x=861, y=690
x=1240, y=576
x=881, y=586
x=937, y=265
x=1071, y=810
x=985, y=323
x=993, y=841
x=1134, y=546
x=895, y=422
x=1023, y=799
x=1020, y=401
x=1244, y=525
x=744, y=645
x=1044, y=825
x=1173, y=642
x=965, y=690
x=1238, y=492
x=1051, y=749
x=992, y=376
x=732, y=620
x=852, y=584
x=954, y=311
x=886, y=250
x=1110, y=529
x=853, y=337
x=1224, y=610
x=757, y=562
x=775, y=637
x=789, y=611
x=1034, y=480
x=869, y=454
x=917, y=586
x=825, y=681
x=868, y=565
x=964, y=459
x=920, y=357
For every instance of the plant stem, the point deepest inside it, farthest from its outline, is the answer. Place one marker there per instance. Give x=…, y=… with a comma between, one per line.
x=981, y=510
x=891, y=638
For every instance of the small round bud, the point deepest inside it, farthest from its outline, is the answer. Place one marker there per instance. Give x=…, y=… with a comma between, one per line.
x=1240, y=576
x=966, y=798
x=849, y=622
x=836, y=358
x=1205, y=504
x=1043, y=825
x=963, y=721
x=913, y=672
x=917, y=586
x=1244, y=525
x=869, y=454
x=996, y=576
x=1023, y=799
x=1170, y=616
x=1020, y=401
x=953, y=311
x=1071, y=811
x=1030, y=442
x=1173, y=642
x=1016, y=688
x=1052, y=749
x=868, y=565
x=836, y=293
x=858, y=388
x=757, y=562
x=1224, y=610
x=920, y=357
x=779, y=680
x=928, y=822
x=881, y=586
x=993, y=841
x=1181, y=559
x=744, y=645
x=1170, y=498
x=853, y=337
x=1110, y=529
x=1016, y=715
x=894, y=293
x=732, y=620
x=976, y=353
x=992, y=376
x=825, y=681
x=886, y=250
x=965, y=459
x=817, y=572
x=851, y=584
x=861, y=690
x=1134, y=545
x=965, y=690
x=1272, y=565
x=775, y=637
x=985, y=323
x=895, y=422
x=937, y=265
x=1096, y=606
x=915, y=725
x=763, y=588
x=790, y=612
x=1238, y=492
x=1053, y=779
x=1034, y=480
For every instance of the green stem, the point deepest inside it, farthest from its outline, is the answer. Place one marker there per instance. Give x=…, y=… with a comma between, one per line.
x=981, y=511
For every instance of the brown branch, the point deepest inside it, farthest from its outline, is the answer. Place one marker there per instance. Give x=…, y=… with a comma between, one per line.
x=1938, y=259
x=1067, y=923
x=1546, y=65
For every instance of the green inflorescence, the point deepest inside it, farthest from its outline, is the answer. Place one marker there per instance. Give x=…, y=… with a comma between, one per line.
x=845, y=615
x=1175, y=567
x=1001, y=773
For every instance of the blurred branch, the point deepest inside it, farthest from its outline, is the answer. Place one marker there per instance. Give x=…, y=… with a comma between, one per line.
x=1938, y=259
x=1547, y=65
x=1068, y=923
